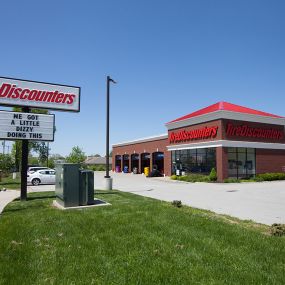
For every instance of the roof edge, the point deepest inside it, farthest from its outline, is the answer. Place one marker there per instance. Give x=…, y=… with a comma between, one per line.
x=224, y=114
x=141, y=140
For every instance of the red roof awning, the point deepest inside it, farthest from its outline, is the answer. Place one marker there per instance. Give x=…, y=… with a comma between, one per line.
x=225, y=106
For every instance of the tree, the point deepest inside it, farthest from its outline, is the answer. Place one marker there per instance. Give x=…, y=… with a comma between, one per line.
x=33, y=160
x=110, y=154
x=42, y=149
x=76, y=156
x=94, y=155
x=16, y=152
x=6, y=162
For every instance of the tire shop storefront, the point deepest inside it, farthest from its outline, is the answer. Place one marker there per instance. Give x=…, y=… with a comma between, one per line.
x=239, y=142
x=135, y=156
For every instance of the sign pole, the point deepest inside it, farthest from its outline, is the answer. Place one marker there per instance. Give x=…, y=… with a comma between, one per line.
x=24, y=168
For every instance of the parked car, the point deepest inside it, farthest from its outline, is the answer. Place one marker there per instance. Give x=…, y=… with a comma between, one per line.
x=43, y=176
x=32, y=169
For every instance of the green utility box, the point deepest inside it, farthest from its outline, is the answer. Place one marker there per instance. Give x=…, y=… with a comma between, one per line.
x=73, y=187
x=86, y=193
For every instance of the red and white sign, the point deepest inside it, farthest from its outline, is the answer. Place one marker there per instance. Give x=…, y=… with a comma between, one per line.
x=16, y=92
x=197, y=134
x=253, y=132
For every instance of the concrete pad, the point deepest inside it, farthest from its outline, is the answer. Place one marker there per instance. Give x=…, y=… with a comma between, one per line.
x=97, y=203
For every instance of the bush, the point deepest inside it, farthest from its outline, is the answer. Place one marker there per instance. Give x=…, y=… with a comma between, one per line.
x=232, y=180
x=270, y=176
x=51, y=163
x=277, y=230
x=213, y=175
x=99, y=167
x=258, y=179
x=177, y=203
x=173, y=177
x=205, y=178
x=194, y=178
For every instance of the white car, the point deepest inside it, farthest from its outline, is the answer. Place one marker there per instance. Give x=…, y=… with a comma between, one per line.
x=32, y=169
x=43, y=176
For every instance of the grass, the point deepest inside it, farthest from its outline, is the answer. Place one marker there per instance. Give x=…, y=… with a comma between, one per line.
x=10, y=183
x=137, y=240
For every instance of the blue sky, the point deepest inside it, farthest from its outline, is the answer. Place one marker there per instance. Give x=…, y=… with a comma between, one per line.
x=169, y=57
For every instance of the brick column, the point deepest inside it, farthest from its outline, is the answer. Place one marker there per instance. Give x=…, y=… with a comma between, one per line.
x=222, y=163
x=150, y=162
x=140, y=158
x=113, y=162
x=167, y=163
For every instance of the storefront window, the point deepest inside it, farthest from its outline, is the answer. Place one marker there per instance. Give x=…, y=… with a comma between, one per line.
x=193, y=161
x=241, y=162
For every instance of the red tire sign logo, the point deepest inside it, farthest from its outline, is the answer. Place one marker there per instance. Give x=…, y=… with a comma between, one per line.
x=15, y=92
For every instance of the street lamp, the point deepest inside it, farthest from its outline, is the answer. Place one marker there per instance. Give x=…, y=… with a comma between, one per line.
x=108, y=179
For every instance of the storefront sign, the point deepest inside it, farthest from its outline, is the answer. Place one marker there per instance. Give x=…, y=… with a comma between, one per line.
x=15, y=92
x=198, y=134
x=253, y=132
x=26, y=126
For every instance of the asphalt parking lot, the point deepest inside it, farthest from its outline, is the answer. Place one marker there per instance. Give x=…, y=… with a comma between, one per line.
x=261, y=202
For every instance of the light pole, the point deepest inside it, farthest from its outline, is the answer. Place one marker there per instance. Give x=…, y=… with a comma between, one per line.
x=108, y=179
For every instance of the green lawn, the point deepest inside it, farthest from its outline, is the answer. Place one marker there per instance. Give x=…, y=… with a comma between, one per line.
x=9, y=183
x=137, y=240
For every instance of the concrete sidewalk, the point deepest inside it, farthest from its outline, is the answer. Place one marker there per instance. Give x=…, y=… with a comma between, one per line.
x=6, y=197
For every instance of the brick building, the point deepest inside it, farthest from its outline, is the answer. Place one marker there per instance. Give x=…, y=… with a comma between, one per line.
x=239, y=142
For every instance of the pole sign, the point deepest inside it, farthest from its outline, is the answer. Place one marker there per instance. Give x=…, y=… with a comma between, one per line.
x=26, y=126
x=34, y=94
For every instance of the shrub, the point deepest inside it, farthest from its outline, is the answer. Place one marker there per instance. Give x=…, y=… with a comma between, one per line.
x=205, y=178
x=194, y=178
x=213, y=175
x=191, y=177
x=177, y=203
x=258, y=179
x=277, y=230
x=270, y=176
x=231, y=180
x=173, y=177
x=99, y=167
x=183, y=178
x=92, y=167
